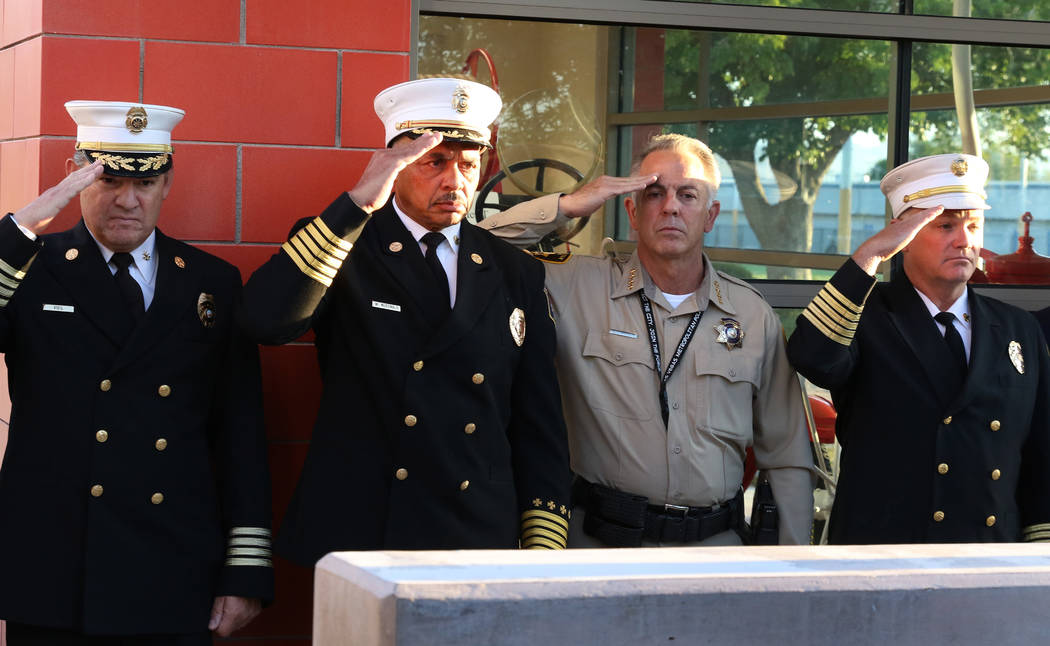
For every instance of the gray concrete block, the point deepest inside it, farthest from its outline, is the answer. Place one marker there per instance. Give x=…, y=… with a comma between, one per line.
x=856, y=595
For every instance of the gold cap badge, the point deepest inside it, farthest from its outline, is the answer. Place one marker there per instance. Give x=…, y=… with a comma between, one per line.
x=460, y=100
x=137, y=119
x=517, y=326
x=959, y=167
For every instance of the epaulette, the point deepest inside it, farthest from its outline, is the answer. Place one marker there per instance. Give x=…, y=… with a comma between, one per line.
x=552, y=257
x=739, y=281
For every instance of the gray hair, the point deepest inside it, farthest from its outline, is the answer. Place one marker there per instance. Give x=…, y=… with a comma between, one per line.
x=80, y=158
x=688, y=146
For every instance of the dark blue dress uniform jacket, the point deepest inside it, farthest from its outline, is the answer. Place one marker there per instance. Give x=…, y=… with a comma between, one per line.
x=134, y=488
x=922, y=464
x=429, y=436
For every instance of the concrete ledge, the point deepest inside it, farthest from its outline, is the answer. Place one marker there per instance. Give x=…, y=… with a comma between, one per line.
x=898, y=594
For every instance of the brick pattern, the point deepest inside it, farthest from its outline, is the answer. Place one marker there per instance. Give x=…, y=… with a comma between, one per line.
x=279, y=121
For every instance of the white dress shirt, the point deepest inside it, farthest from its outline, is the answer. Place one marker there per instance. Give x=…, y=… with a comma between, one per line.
x=448, y=254
x=961, y=309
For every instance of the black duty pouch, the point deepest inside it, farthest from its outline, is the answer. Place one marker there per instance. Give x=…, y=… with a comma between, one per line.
x=765, y=528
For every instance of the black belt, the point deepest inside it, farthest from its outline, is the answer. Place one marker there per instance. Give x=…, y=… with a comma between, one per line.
x=622, y=519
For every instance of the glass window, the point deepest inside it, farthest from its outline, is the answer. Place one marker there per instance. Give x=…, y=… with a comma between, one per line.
x=797, y=123
x=1011, y=138
x=1005, y=9
x=800, y=124
x=881, y=6
x=552, y=78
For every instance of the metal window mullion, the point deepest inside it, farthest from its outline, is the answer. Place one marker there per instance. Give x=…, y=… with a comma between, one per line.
x=817, y=22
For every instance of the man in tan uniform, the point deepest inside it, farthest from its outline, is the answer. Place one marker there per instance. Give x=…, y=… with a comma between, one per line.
x=658, y=428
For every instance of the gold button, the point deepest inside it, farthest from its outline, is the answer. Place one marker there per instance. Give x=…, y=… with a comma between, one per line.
x=410, y=420
x=995, y=425
x=157, y=498
x=96, y=491
x=101, y=435
x=947, y=420
x=164, y=390
x=161, y=444
x=995, y=474
x=463, y=485
x=417, y=366
x=942, y=468
x=470, y=428
x=938, y=516
x=395, y=246
x=401, y=474
x=476, y=258
x=105, y=385
x=990, y=521
x=478, y=378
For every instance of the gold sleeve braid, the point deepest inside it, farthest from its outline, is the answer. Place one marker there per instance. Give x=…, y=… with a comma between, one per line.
x=249, y=546
x=543, y=530
x=317, y=252
x=1037, y=533
x=834, y=315
x=10, y=279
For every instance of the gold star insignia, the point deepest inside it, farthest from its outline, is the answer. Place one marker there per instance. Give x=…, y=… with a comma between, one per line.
x=536, y=502
x=551, y=505
x=562, y=510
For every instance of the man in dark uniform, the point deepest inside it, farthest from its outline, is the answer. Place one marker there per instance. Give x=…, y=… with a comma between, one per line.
x=942, y=394
x=440, y=424
x=134, y=493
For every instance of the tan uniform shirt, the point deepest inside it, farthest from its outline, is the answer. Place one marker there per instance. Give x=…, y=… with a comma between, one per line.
x=721, y=400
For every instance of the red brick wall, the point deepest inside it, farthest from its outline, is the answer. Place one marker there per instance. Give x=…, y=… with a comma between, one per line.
x=278, y=98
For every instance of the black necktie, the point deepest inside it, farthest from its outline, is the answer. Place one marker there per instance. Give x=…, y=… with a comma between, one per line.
x=954, y=341
x=129, y=289
x=432, y=240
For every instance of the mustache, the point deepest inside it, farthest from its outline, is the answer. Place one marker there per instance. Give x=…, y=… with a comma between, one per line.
x=452, y=196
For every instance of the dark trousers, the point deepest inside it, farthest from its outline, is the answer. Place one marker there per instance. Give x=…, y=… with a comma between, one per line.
x=26, y=635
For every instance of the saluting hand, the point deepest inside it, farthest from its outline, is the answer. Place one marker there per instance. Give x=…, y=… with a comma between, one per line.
x=38, y=214
x=898, y=233
x=377, y=182
x=591, y=196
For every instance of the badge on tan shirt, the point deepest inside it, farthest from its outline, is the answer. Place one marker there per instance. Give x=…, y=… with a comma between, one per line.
x=729, y=333
x=517, y=326
x=206, y=309
x=1016, y=357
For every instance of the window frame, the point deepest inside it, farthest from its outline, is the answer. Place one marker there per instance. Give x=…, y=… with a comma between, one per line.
x=900, y=29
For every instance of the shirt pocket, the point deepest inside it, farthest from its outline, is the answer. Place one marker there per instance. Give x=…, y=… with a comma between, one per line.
x=622, y=381
x=725, y=391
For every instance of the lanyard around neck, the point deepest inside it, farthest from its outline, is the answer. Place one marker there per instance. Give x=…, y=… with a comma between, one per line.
x=687, y=336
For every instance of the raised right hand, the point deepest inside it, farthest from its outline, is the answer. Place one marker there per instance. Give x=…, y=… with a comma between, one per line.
x=895, y=236
x=591, y=196
x=38, y=214
x=377, y=182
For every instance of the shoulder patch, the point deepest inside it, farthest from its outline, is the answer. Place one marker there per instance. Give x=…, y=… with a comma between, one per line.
x=551, y=257
x=739, y=281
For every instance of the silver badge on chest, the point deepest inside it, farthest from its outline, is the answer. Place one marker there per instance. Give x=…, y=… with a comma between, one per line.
x=517, y=326
x=1016, y=357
